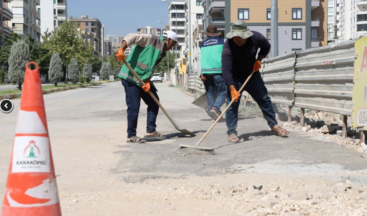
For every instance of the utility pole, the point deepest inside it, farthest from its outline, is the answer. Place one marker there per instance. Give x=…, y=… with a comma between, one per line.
x=274, y=28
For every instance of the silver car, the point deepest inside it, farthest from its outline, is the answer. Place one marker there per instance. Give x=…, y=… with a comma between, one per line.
x=156, y=78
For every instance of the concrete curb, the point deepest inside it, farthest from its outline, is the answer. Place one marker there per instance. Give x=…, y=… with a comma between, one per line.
x=48, y=91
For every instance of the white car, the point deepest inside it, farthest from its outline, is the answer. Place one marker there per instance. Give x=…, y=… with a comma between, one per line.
x=156, y=78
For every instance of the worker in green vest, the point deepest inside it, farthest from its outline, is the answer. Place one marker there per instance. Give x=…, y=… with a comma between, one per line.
x=149, y=50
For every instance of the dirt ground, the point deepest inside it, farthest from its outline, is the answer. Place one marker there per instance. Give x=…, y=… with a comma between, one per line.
x=100, y=174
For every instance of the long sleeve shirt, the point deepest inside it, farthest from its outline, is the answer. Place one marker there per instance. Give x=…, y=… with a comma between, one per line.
x=238, y=62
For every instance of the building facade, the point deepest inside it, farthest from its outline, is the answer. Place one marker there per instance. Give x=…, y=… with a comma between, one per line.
x=352, y=19
x=5, y=16
x=177, y=22
x=26, y=18
x=149, y=30
x=332, y=20
x=95, y=27
x=107, y=48
x=52, y=14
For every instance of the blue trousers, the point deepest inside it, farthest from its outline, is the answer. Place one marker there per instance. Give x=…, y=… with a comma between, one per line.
x=215, y=82
x=256, y=88
x=133, y=95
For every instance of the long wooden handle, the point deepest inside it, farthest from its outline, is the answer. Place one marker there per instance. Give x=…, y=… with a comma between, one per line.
x=225, y=110
x=151, y=94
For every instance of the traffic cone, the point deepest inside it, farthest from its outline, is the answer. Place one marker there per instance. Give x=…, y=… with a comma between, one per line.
x=31, y=188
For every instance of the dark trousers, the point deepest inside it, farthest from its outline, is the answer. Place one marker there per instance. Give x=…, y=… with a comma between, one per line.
x=214, y=83
x=133, y=94
x=256, y=88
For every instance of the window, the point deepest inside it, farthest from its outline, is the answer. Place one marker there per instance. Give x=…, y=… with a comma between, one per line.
x=268, y=14
x=243, y=14
x=330, y=10
x=199, y=2
x=314, y=34
x=177, y=15
x=296, y=34
x=362, y=27
x=86, y=29
x=199, y=16
x=54, y=1
x=268, y=34
x=178, y=7
x=362, y=17
x=297, y=13
x=54, y=11
x=86, y=23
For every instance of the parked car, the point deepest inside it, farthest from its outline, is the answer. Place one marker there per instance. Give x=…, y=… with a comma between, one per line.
x=156, y=78
x=94, y=75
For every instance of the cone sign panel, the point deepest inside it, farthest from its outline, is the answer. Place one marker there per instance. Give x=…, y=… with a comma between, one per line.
x=31, y=154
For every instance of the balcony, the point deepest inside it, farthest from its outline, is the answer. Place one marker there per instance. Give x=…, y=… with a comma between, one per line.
x=38, y=15
x=315, y=4
x=216, y=5
x=315, y=44
x=315, y=23
x=8, y=13
x=217, y=20
x=362, y=3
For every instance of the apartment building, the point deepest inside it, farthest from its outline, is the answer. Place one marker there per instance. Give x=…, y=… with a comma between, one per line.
x=26, y=18
x=177, y=21
x=6, y=15
x=52, y=13
x=149, y=30
x=197, y=12
x=332, y=20
x=352, y=19
x=95, y=27
x=302, y=23
x=107, y=48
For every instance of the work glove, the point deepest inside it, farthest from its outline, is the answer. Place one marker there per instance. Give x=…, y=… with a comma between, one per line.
x=257, y=66
x=235, y=94
x=146, y=86
x=120, y=55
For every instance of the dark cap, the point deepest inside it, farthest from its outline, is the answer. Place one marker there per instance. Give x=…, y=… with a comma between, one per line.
x=212, y=31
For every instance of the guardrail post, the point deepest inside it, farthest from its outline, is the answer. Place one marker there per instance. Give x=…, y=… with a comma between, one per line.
x=302, y=117
x=345, y=126
x=289, y=114
x=363, y=137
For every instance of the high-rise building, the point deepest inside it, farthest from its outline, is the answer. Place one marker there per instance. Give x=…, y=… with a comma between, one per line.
x=94, y=26
x=302, y=23
x=352, y=19
x=26, y=18
x=197, y=12
x=332, y=21
x=107, y=48
x=6, y=15
x=177, y=23
x=52, y=13
x=149, y=30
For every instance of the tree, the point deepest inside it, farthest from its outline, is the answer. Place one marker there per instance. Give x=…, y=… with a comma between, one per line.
x=87, y=72
x=67, y=40
x=114, y=63
x=73, y=70
x=109, y=69
x=104, y=71
x=18, y=59
x=55, y=72
x=163, y=66
x=96, y=63
x=6, y=45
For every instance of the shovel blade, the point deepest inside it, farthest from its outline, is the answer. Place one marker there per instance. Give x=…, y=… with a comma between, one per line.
x=187, y=132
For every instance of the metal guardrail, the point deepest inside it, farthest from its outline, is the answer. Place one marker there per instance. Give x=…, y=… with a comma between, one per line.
x=278, y=75
x=324, y=78
x=195, y=83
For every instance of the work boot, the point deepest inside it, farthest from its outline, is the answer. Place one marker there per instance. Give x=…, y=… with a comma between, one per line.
x=215, y=113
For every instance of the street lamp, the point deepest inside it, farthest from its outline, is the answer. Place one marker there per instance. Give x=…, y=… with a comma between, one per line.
x=177, y=41
x=168, y=51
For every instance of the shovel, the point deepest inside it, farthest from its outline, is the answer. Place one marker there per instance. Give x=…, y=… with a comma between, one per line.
x=159, y=104
x=197, y=146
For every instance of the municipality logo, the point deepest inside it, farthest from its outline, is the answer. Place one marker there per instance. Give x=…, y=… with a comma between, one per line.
x=32, y=150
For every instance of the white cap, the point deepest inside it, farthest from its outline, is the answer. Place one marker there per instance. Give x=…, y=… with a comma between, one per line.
x=170, y=34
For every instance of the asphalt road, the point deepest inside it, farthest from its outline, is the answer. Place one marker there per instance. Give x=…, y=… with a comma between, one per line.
x=88, y=132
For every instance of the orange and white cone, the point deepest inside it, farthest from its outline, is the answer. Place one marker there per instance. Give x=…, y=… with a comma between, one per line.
x=31, y=188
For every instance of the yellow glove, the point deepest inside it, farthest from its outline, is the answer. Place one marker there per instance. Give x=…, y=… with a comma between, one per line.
x=120, y=55
x=146, y=86
x=235, y=94
x=257, y=66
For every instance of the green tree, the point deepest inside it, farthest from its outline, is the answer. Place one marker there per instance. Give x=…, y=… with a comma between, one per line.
x=96, y=63
x=114, y=63
x=55, y=72
x=104, y=71
x=163, y=66
x=67, y=40
x=73, y=70
x=87, y=72
x=18, y=59
x=109, y=69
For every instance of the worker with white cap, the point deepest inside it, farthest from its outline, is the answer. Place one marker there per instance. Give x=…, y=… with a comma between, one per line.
x=149, y=50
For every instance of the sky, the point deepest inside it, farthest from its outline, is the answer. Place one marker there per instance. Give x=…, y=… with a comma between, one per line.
x=121, y=17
